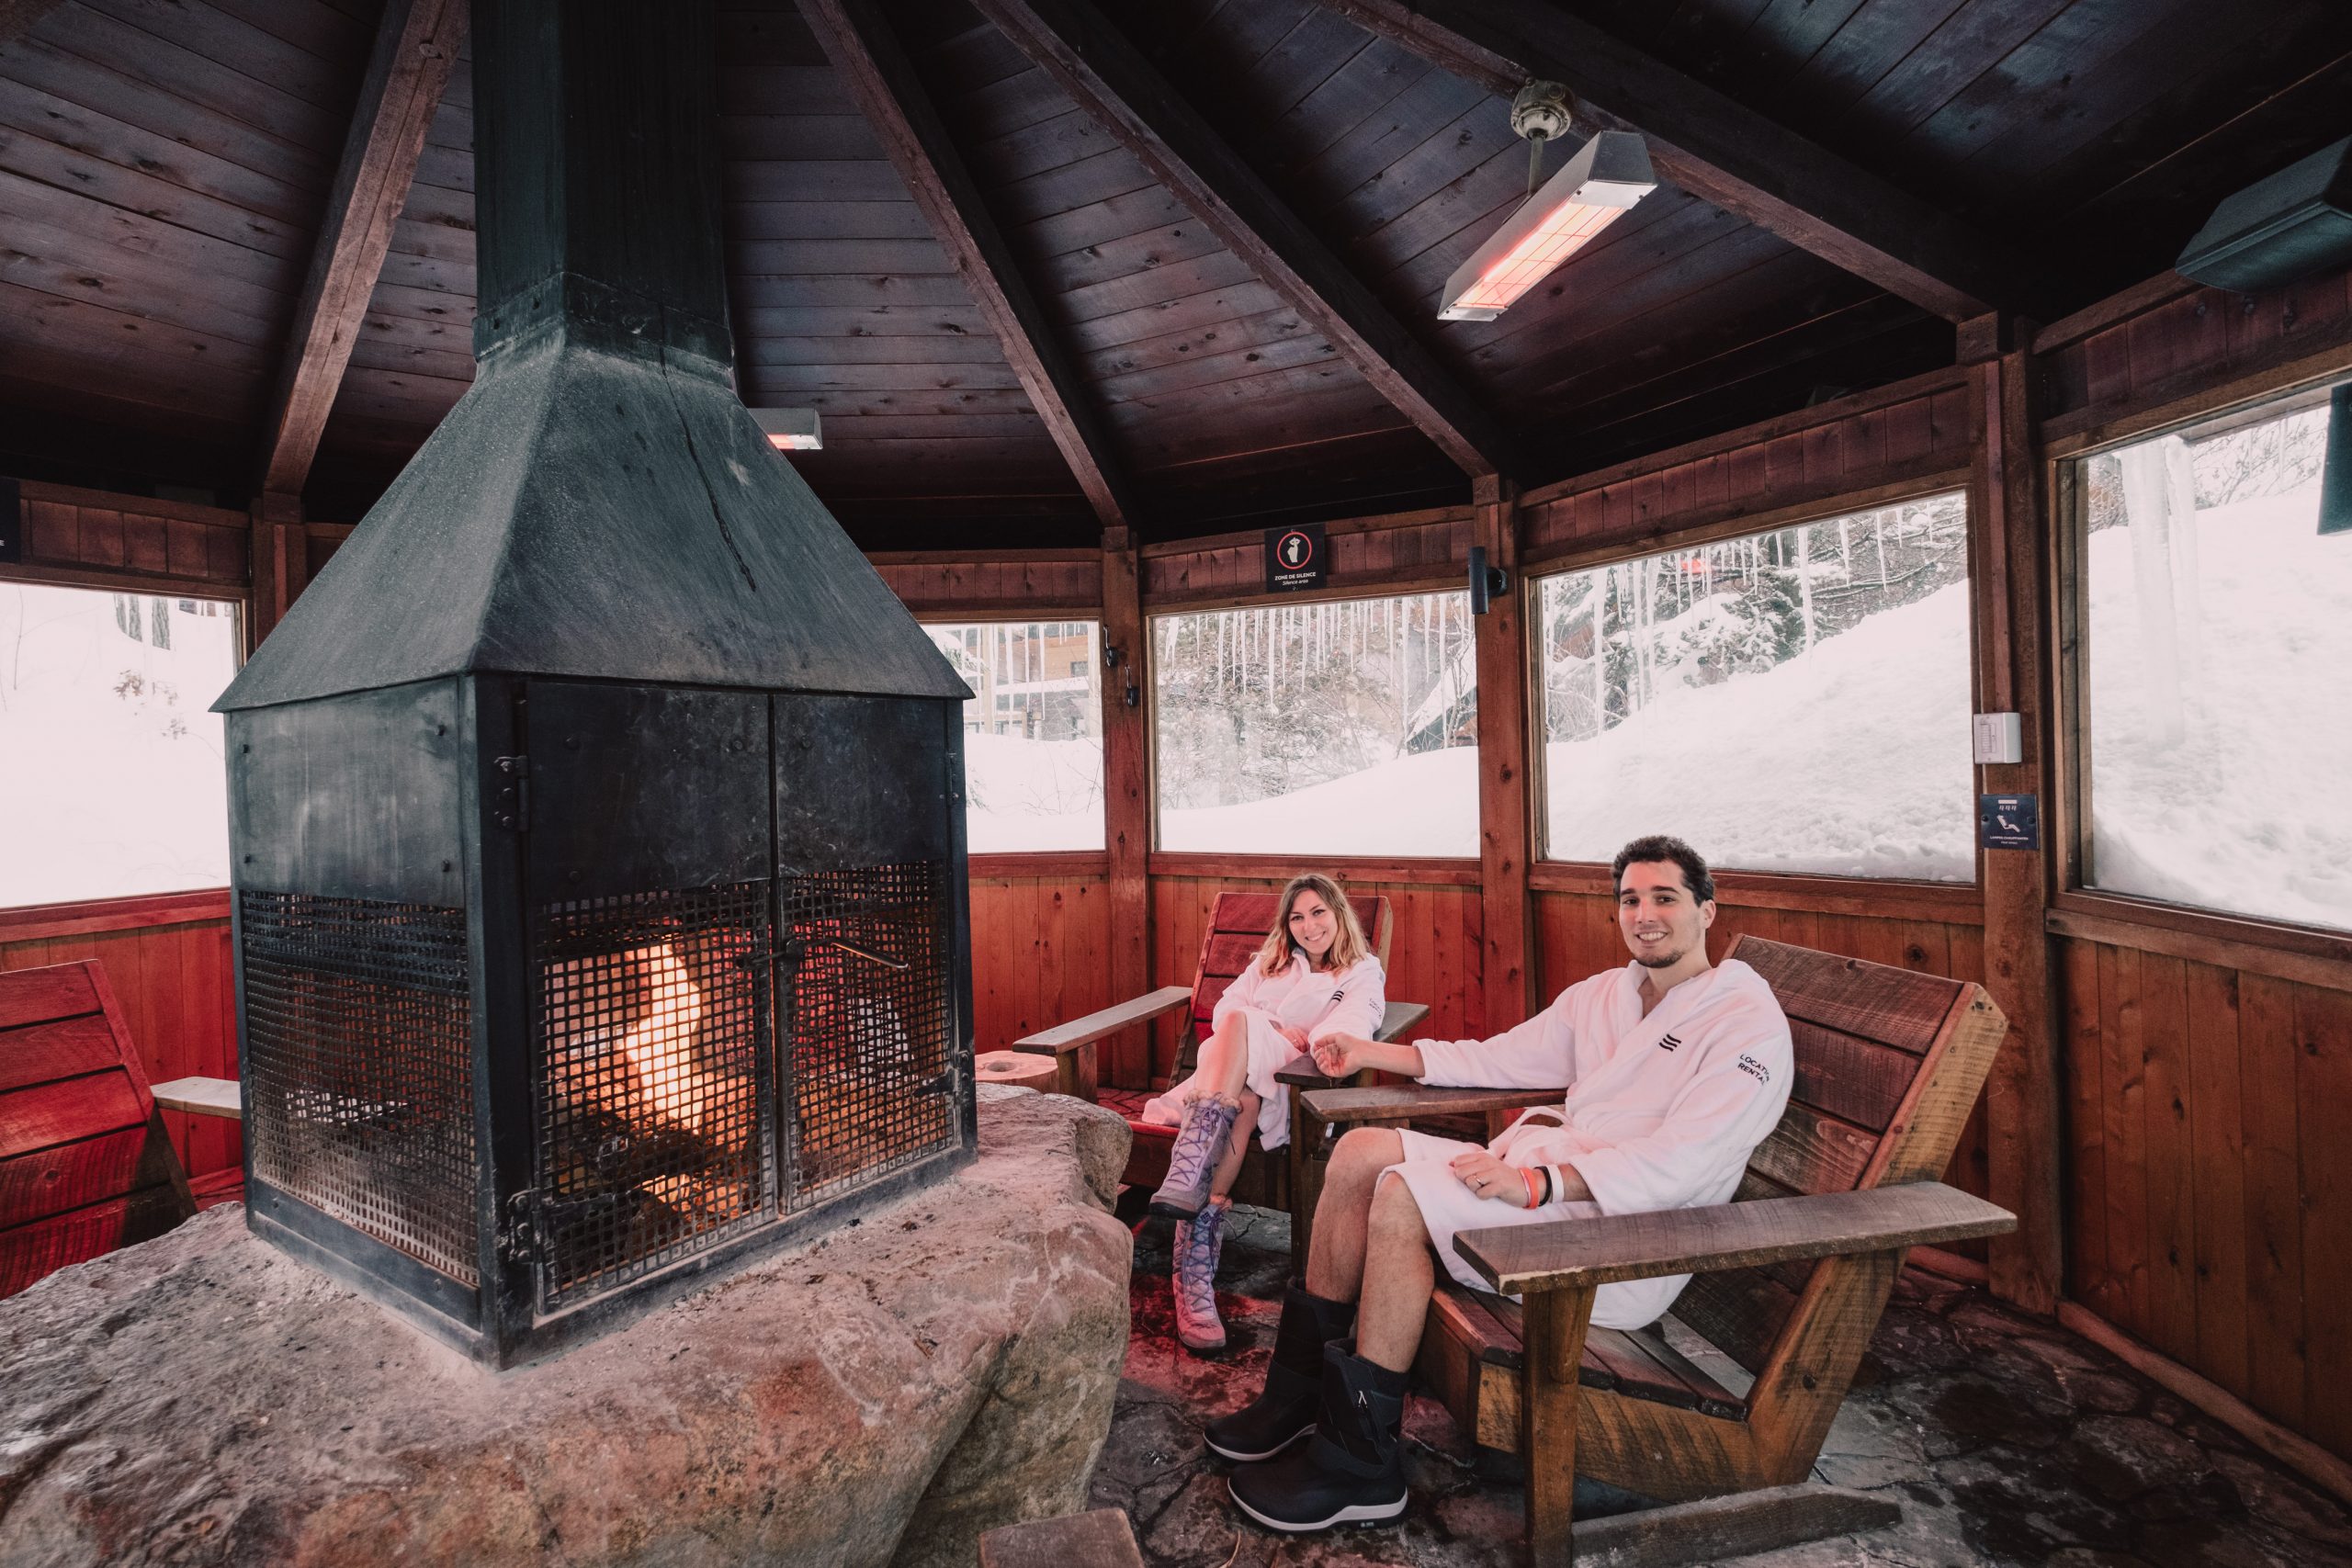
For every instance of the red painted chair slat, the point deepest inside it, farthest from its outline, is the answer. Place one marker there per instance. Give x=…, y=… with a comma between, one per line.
x=85, y=1166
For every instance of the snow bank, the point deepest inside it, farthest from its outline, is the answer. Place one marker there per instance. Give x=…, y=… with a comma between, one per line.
x=1426, y=804
x=2247, y=811
x=111, y=779
x=1032, y=794
x=1850, y=760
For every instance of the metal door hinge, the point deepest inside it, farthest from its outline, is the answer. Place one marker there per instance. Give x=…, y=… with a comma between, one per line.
x=514, y=794
x=519, y=1243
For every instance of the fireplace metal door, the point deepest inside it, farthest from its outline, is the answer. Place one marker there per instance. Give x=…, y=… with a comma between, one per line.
x=870, y=898
x=651, y=949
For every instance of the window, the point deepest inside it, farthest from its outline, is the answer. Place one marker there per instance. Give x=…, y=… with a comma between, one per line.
x=1033, y=735
x=1792, y=701
x=2215, y=700
x=111, y=776
x=1318, y=729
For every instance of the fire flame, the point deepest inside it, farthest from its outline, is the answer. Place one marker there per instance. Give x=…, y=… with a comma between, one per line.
x=659, y=1047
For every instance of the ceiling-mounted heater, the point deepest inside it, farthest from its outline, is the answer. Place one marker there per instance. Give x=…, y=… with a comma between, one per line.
x=2295, y=223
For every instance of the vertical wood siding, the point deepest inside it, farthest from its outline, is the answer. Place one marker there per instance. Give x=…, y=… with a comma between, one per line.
x=1367, y=554
x=80, y=530
x=177, y=988
x=1040, y=952
x=2210, y=1200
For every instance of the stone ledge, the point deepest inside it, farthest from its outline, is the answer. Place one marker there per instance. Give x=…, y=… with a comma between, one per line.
x=880, y=1396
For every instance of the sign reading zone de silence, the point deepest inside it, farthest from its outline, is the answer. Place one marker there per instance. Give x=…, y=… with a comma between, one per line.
x=1294, y=557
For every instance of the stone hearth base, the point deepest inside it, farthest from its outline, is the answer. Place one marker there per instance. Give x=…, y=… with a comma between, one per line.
x=879, y=1396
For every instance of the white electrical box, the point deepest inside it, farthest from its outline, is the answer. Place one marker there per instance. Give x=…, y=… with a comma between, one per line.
x=2000, y=738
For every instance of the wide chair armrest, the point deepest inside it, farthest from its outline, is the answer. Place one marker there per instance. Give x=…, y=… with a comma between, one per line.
x=1580, y=1253
x=1403, y=1102
x=1094, y=1026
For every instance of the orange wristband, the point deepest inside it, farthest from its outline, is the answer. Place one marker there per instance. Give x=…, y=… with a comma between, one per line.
x=1529, y=1171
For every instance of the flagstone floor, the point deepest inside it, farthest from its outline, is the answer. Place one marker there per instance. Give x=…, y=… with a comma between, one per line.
x=2008, y=1441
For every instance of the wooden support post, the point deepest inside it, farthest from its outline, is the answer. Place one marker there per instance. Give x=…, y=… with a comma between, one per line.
x=1126, y=798
x=2022, y=1105
x=1555, y=1324
x=1505, y=820
x=280, y=561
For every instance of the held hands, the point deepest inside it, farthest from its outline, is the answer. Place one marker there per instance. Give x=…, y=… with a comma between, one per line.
x=1297, y=1036
x=1490, y=1177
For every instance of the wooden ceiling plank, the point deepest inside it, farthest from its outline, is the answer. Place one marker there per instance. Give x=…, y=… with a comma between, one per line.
x=415, y=47
x=882, y=80
x=1712, y=146
x=1113, y=80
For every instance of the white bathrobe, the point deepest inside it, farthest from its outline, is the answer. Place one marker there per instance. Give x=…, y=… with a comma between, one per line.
x=1301, y=997
x=1661, y=1113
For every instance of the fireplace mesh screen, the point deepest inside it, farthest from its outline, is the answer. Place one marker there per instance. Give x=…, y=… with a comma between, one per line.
x=654, y=1082
x=871, y=1078
x=359, y=1059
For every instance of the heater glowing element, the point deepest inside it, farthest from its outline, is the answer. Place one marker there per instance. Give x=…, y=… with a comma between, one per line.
x=1608, y=174
x=791, y=430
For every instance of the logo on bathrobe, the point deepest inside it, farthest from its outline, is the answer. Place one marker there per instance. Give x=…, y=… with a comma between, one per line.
x=1754, y=1069
x=1668, y=1043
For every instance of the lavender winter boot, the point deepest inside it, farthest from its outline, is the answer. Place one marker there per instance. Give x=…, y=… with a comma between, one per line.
x=1207, y=1122
x=1200, y=1241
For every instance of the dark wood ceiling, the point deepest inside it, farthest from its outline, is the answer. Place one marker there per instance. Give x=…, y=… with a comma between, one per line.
x=167, y=168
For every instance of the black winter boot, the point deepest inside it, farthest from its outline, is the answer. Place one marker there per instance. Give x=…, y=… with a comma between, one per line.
x=1284, y=1411
x=1354, y=1467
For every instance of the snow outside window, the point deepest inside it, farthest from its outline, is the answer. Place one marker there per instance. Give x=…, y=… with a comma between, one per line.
x=1033, y=733
x=1346, y=728
x=2216, y=641
x=1792, y=701
x=111, y=777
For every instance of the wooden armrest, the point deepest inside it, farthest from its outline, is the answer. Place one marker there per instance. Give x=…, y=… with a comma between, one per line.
x=201, y=1096
x=1577, y=1254
x=1095, y=1026
x=1399, y=1017
x=1403, y=1101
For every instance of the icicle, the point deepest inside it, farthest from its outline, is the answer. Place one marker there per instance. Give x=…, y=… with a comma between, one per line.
x=1804, y=582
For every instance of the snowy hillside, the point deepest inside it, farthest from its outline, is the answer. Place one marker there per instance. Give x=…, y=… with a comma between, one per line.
x=2247, y=810
x=112, y=779
x=1852, y=759
x=1032, y=794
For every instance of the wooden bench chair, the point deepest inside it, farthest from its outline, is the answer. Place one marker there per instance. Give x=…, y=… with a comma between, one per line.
x=1792, y=1276
x=85, y=1165
x=1238, y=926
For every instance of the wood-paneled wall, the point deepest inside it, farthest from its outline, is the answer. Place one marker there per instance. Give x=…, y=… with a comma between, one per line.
x=176, y=982
x=1038, y=954
x=2211, y=1203
x=89, y=535
x=1367, y=554
x=1018, y=582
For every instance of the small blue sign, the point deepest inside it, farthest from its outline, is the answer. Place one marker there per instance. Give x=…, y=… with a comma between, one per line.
x=2008, y=822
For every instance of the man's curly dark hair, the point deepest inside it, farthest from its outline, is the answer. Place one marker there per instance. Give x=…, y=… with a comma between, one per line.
x=1661, y=847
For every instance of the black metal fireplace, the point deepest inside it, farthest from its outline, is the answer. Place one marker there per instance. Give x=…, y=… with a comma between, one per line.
x=598, y=813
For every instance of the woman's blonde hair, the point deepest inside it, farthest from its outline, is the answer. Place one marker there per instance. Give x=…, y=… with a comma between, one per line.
x=1347, y=947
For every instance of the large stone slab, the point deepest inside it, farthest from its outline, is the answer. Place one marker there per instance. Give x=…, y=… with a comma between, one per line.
x=879, y=1396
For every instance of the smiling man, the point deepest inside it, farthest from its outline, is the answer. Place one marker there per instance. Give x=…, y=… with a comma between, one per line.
x=1672, y=1070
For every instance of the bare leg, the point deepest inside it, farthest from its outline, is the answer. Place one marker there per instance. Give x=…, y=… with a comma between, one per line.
x=1237, y=1146
x=1398, y=1276
x=1225, y=1058
x=1335, y=1262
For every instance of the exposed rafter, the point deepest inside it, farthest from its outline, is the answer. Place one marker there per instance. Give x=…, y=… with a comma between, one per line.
x=1709, y=146
x=1113, y=81
x=416, y=47
x=879, y=75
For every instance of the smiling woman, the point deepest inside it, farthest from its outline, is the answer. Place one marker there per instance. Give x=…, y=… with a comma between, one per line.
x=114, y=784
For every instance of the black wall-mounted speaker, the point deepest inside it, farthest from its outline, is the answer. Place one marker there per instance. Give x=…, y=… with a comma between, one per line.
x=2297, y=222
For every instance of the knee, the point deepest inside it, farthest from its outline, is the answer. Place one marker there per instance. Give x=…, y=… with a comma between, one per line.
x=1361, y=1155
x=1395, y=1212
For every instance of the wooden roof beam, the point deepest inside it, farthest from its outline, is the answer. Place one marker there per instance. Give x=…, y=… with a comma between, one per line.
x=17, y=17
x=1114, y=82
x=881, y=77
x=1710, y=145
x=416, y=45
